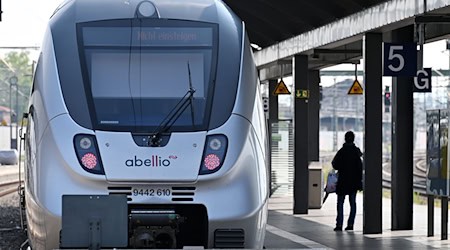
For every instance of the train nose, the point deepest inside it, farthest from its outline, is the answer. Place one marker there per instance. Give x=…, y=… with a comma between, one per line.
x=124, y=160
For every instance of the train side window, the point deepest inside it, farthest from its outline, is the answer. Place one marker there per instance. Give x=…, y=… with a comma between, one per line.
x=34, y=72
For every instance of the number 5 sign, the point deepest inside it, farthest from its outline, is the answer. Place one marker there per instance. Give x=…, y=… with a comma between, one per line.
x=399, y=59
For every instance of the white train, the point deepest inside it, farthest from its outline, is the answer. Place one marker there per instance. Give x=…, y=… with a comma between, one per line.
x=146, y=129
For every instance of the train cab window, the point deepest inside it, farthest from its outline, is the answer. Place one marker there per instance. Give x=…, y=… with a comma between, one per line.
x=136, y=72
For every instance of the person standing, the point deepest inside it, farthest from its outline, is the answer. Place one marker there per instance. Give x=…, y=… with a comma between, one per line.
x=347, y=162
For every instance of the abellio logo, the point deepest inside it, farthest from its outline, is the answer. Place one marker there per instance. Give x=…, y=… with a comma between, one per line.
x=154, y=161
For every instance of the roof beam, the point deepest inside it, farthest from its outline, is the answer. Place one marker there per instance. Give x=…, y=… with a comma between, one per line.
x=432, y=19
x=294, y=14
x=337, y=51
x=387, y=15
x=286, y=13
x=327, y=7
x=350, y=4
x=263, y=23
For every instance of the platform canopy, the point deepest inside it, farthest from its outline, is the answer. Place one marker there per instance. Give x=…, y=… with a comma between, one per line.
x=272, y=21
x=330, y=31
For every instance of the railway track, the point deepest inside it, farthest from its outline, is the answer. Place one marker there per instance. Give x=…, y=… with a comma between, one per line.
x=419, y=176
x=8, y=187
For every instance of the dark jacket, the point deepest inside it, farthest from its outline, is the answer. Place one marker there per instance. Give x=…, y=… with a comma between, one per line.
x=347, y=162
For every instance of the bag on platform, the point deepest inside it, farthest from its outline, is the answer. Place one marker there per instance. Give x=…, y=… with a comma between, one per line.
x=332, y=180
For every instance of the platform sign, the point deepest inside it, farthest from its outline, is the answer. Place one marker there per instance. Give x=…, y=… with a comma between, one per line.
x=355, y=89
x=302, y=93
x=437, y=181
x=281, y=89
x=422, y=82
x=399, y=59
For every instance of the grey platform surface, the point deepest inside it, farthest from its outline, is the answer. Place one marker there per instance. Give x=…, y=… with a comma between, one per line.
x=315, y=230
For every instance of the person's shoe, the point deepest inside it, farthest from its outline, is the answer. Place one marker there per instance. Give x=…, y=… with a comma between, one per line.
x=349, y=228
x=338, y=228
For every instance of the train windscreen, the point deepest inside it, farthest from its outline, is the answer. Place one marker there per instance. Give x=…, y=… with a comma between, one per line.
x=138, y=72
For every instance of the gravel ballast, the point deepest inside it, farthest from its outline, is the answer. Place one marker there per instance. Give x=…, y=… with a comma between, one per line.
x=11, y=236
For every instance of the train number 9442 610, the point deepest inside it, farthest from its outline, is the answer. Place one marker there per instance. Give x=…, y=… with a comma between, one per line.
x=151, y=192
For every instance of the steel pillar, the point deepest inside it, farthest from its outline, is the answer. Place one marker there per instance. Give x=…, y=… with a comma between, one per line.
x=273, y=117
x=273, y=101
x=301, y=171
x=313, y=115
x=402, y=143
x=372, y=214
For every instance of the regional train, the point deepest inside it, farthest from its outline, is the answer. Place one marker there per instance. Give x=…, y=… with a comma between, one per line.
x=145, y=129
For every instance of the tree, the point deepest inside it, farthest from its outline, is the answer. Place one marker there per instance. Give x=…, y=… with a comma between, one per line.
x=16, y=64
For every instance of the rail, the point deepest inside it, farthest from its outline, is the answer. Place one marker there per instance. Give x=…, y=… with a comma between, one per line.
x=8, y=187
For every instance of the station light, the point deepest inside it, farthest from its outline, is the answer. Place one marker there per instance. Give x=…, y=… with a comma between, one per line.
x=320, y=93
x=387, y=97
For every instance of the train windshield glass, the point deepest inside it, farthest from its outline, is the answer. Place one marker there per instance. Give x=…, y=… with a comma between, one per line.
x=136, y=72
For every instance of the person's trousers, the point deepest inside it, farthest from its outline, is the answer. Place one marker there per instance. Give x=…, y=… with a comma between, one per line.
x=340, y=209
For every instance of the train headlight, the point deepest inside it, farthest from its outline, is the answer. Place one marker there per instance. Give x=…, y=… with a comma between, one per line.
x=214, y=153
x=215, y=144
x=87, y=153
x=85, y=143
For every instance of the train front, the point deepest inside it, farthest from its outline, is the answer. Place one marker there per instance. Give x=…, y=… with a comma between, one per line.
x=146, y=129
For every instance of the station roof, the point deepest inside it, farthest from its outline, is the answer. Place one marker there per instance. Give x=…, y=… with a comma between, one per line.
x=330, y=32
x=269, y=22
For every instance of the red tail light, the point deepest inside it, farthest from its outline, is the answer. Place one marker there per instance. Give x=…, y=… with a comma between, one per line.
x=211, y=161
x=214, y=154
x=87, y=153
x=89, y=160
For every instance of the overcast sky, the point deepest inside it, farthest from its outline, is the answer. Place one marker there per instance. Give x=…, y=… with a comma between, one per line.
x=24, y=21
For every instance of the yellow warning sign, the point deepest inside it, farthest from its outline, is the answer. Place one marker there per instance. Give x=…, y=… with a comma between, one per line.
x=355, y=89
x=281, y=89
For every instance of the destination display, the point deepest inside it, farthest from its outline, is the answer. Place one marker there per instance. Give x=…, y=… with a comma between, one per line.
x=148, y=36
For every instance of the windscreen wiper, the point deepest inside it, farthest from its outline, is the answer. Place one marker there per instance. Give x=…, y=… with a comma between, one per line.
x=174, y=114
x=191, y=97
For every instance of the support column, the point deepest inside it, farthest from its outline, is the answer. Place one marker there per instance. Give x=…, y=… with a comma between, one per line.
x=430, y=201
x=301, y=172
x=444, y=218
x=273, y=101
x=313, y=115
x=273, y=117
x=373, y=117
x=402, y=143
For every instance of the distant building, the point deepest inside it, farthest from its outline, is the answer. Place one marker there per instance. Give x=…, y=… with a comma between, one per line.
x=340, y=110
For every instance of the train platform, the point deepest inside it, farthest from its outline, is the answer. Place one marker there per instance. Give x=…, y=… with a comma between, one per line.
x=315, y=229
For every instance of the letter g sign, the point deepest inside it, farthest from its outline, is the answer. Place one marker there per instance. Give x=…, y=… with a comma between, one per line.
x=422, y=81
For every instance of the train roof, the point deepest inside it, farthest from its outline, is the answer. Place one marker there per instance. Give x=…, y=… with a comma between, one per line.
x=214, y=11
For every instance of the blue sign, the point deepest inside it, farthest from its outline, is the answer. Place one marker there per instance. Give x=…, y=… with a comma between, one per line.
x=400, y=59
x=422, y=82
